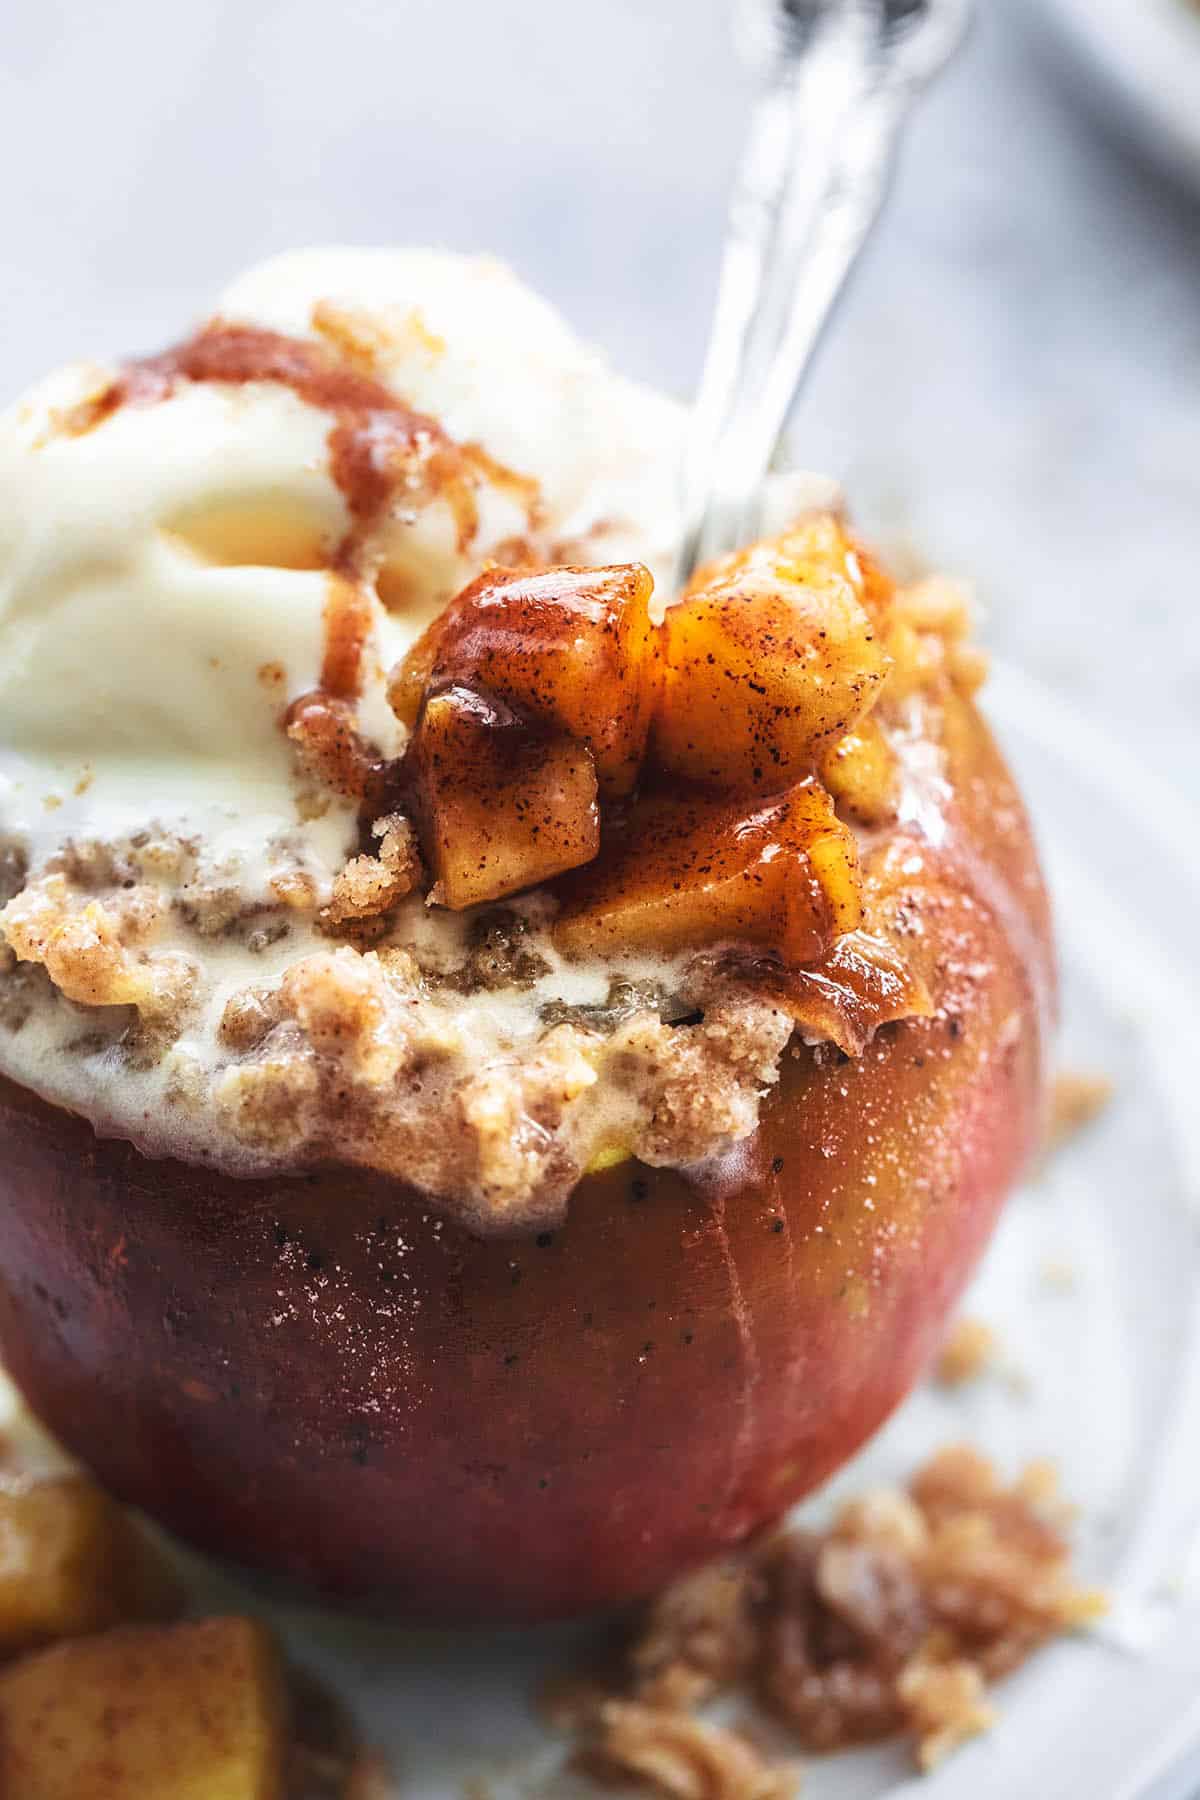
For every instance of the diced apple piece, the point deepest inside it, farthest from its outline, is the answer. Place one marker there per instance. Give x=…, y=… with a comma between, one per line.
x=72, y=1561
x=572, y=649
x=691, y=871
x=499, y=806
x=181, y=1712
x=409, y=679
x=862, y=772
x=772, y=654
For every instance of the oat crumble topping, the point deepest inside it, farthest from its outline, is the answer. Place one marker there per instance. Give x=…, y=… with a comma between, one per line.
x=893, y=1621
x=447, y=1050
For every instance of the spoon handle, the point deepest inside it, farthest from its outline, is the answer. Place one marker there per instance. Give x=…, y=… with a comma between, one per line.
x=809, y=187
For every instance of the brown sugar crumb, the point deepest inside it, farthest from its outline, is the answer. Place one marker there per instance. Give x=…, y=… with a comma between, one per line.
x=295, y=889
x=1077, y=1098
x=511, y=1126
x=890, y=1623
x=969, y=1350
x=701, y=1080
x=682, y=1757
x=95, y=951
x=355, y=1052
x=369, y=886
x=499, y=955
x=94, y=864
x=697, y=1637
x=945, y=1705
x=247, y=1018
x=211, y=911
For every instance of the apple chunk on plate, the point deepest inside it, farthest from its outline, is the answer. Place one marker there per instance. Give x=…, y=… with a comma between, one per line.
x=499, y=806
x=692, y=870
x=771, y=655
x=72, y=1563
x=182, y=1712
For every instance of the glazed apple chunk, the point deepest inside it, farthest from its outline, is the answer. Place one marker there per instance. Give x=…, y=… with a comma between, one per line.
x=688, y=870
x=531, y=698
x=771, y=655
x=499, y=806
x=862, y=773
x=570, y=648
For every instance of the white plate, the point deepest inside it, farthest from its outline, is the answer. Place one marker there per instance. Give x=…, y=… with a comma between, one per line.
x=1092, y=1283
x=1145, y=55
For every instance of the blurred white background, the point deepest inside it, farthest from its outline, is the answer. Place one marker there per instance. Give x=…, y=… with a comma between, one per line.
x=1014, y=384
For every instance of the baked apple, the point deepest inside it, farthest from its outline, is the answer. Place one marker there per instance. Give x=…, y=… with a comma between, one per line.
x=770, y=656
x=502, y=1077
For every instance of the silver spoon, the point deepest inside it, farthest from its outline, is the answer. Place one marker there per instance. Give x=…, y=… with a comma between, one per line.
x=838, y=79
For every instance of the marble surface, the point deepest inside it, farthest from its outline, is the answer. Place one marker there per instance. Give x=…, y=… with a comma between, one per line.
x=1014, y=382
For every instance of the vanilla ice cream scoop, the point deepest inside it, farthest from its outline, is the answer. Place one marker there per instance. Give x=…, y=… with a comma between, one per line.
x=164, y=563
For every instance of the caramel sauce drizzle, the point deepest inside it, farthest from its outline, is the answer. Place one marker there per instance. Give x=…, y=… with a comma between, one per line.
x=381, y=450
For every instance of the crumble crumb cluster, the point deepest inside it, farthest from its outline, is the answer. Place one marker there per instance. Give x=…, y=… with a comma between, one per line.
x=1077, y=1097
x=351, y=1046
x=97, y=953
x=969, y=1350
x=892, y=1622
x=678, y=1755
x=369, y=887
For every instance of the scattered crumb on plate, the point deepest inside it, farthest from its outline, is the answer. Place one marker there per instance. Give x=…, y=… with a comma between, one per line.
x=1059, y=1274
x=968, y=1352
x=1077, y=1097
x=891, y=1623
x=680, y=1756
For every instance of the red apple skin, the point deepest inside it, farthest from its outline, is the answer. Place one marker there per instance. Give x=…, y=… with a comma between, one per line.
x=320, y=1377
